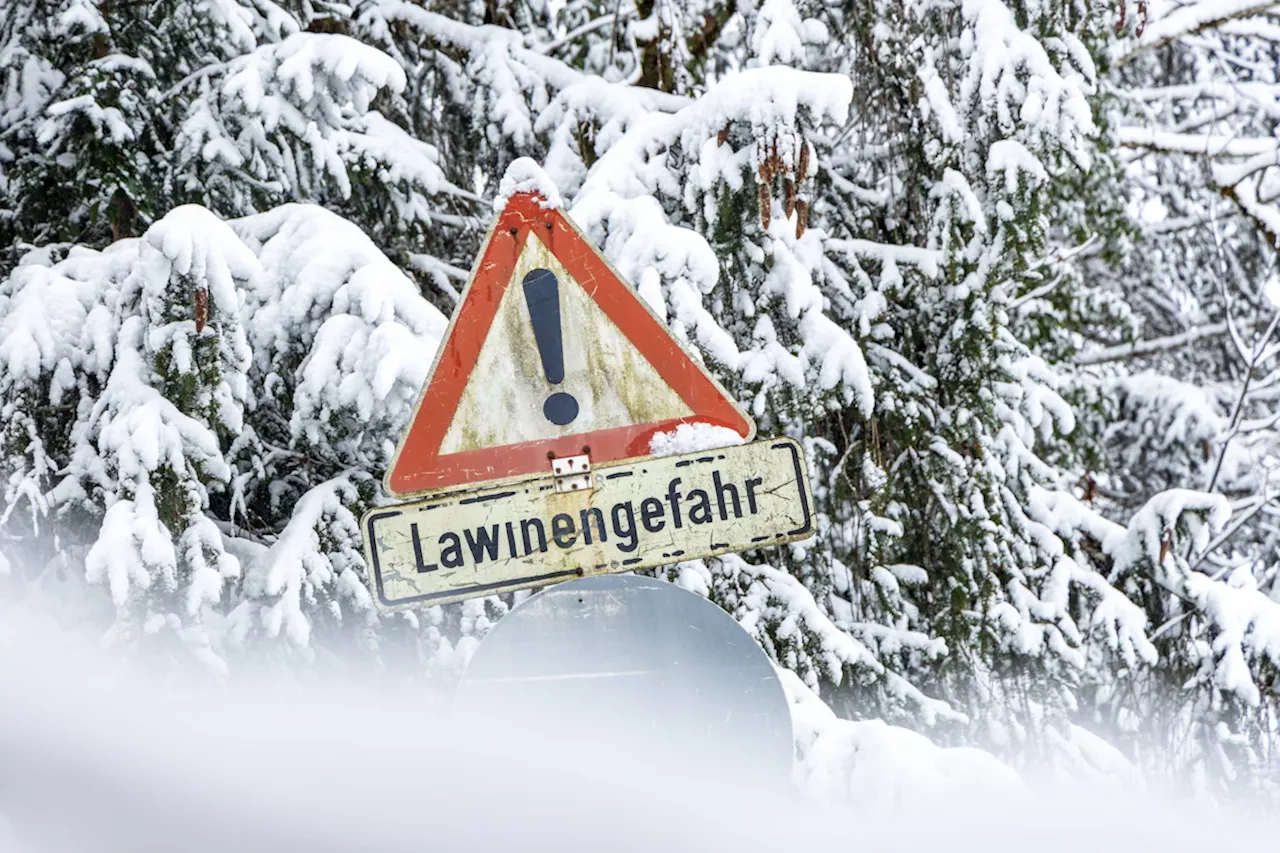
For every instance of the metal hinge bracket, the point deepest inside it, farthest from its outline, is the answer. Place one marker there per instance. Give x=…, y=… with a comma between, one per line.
x=573, y=473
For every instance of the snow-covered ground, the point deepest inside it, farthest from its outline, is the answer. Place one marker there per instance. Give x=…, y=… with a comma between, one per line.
x=104, y=758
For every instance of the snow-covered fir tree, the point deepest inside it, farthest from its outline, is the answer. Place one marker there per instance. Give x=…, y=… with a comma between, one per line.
x=1007, y=270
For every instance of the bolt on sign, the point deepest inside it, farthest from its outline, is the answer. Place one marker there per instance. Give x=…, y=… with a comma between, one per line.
x=529, y=447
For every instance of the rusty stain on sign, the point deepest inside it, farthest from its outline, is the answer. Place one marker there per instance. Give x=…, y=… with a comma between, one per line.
x=640, y=514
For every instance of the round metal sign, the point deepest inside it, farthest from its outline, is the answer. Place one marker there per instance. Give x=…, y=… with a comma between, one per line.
x=638, y=659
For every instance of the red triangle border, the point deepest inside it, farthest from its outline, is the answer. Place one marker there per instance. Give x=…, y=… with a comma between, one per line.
x=419, y=467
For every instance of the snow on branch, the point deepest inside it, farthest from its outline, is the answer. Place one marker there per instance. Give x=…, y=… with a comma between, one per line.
x=318, y=551
x=1210, y=145
x=1052, y=111
x=272, y=124
x=1264, y=216
x=367, y=333
x=611, y=20
x=1230, y=173
x=1247, y=634
x=926, y=260
x=1242, y=621
x=777, y=609
x=619, y=202
x=210, y=358
x=1153, y=346
x=476, y=39
x=1190, y=19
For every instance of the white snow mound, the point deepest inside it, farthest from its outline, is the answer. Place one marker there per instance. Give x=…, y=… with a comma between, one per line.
x=690, y=438
x=524, y=175
x=885, y=768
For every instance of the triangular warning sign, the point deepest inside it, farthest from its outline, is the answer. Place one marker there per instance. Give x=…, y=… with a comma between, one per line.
x=549, y=352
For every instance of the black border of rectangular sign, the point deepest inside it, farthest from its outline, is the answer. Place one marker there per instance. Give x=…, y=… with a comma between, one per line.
x=538, y=580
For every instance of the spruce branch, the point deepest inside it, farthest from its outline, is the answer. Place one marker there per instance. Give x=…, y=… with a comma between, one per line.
x=1189, y=20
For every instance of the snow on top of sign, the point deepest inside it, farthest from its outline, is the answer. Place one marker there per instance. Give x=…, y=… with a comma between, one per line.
x=524, y=175
x=689, y=438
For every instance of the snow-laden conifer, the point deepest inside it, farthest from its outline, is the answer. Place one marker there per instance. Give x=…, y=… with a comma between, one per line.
x=1008, y=270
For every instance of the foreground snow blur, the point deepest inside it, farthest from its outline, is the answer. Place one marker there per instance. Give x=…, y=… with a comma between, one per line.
x=97, y=757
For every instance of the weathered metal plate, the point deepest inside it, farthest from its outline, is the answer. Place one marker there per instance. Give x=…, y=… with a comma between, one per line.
x=549, y=352
x=641, y=514
x=629, y=662
x=614, y=385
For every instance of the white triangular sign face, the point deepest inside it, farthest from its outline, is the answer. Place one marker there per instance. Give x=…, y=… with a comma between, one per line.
x=549, y=354
x=613, y=384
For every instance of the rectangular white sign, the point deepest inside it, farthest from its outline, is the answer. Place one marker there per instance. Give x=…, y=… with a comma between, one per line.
x=641, y=513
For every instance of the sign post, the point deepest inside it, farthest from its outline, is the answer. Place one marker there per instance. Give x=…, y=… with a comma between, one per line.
x=529, y=449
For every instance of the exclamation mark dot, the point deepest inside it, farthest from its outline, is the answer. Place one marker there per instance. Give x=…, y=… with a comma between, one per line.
x=542, y=293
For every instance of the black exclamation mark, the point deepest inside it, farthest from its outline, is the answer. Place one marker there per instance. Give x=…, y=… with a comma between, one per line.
x=542, y=293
